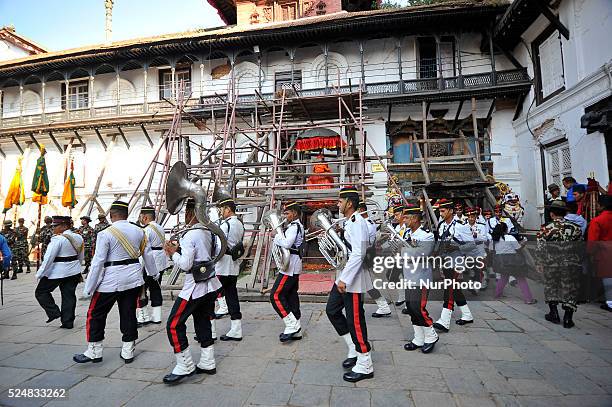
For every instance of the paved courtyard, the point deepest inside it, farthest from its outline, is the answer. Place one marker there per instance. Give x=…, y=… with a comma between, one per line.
x=508, y=357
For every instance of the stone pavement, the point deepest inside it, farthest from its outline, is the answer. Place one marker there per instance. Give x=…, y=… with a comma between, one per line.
x=509, y=357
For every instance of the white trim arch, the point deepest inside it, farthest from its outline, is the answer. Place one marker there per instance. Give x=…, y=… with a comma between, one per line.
x=337, y=65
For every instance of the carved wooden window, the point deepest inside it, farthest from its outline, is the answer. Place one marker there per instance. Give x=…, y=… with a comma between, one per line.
x=321, y=8
x=289, y=11
x=282, y=80
x=78, y=95
x=165, y=81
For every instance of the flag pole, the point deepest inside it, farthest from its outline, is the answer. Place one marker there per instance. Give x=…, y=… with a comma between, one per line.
x=38, y=240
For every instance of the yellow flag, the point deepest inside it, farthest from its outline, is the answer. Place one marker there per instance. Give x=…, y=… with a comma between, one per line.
x=15, y=194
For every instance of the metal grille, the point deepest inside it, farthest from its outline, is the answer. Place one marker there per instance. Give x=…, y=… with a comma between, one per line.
x=566, y=159
x=554, y=158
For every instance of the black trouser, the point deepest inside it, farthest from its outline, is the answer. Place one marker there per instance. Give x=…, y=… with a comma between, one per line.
x=228, y=287
x=452, y=295
x=284, y=295
x=67, y=287
x=416, y=303
x=354, y=322
x=100, y=306
x=202, y=309
x=152, y=284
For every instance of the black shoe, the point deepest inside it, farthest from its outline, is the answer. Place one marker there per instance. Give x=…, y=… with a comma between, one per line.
x=567, y=318
x=81, y=358
x=553, y=315
x=219, y=316
x=411, y=346
x=225, y=338
x=14, y=276
x=291, y=337
x=155, y=323
x=28, y=271
x=405, y=311
x=377, y=315
x=204, y=371
x=141, y=324
x=399, y=303
x=348, y=363
x=355, y=377
x=127, y=361
x=51, y=319
x=463, y=322
x=440, y=327
x=429, y=347
x=605, y=307
x=67, y=326
x=175, y=378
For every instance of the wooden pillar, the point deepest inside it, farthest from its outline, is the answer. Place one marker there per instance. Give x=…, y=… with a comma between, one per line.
x=259, y=71
x=42, y=100
x=459, y=67
x=20, y=103
x=173, y=92
x=439, y=63
x=292, y=58
x=475, y=127
x=492, y=52
x=118, y=92
x=92, y=98
x=1, y=105
x=362, y=65
x=326, y=53
x=426, y=145
x=145, y=95
x=202, y=79
x=398, y=44
x=67, y=101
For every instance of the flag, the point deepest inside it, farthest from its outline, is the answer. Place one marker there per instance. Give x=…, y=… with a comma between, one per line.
x=40, y=183
x=15, y=194
x=68, y=197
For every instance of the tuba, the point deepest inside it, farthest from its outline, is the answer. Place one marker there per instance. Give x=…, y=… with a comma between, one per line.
x=273, y=220
x=396, y=243
x=330, y=244
x=179, y=188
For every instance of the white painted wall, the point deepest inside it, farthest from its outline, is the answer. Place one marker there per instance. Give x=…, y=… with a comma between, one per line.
x=9, y=51
x=587, y=59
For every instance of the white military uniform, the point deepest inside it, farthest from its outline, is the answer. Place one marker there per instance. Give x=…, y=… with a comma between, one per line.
x=292, y=239
x=156, y=238
x=354, y=274
x=195, y=247
x=62, y=246
x=481, y=238
x=234, y=232
x=458, y=234
x=371, y=231
x=424, y=242
x=122, y=277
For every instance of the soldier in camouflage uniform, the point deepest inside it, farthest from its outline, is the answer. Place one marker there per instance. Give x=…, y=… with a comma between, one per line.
x=559, y=257
x=89, y=235
x=11, y=239
x=102, y=224
x=22, y=244
x=45, y=234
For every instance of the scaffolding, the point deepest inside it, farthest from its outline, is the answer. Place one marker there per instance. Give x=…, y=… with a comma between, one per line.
x=268, y=166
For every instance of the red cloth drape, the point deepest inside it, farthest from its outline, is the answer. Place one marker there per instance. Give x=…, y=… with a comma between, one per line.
x=318, y=143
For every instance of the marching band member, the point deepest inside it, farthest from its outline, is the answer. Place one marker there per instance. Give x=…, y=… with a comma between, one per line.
x=347, y=292
x=116, y=276
x=156, y=238
x=227, y=269
x=196, y=299
x=459, y=212
x=456, y=238
x=383, y=309
x=284, y=295
x=61, y=266
x=421, y=245
x=481, y=238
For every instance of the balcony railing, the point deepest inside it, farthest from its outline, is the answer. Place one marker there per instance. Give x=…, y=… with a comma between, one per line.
x=211, y=95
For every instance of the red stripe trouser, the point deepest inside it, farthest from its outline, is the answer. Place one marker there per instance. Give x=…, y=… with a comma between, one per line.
x=416, y=303
x=353, y=322
x=202, y=309
x=100, y=306
x=284, y=295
